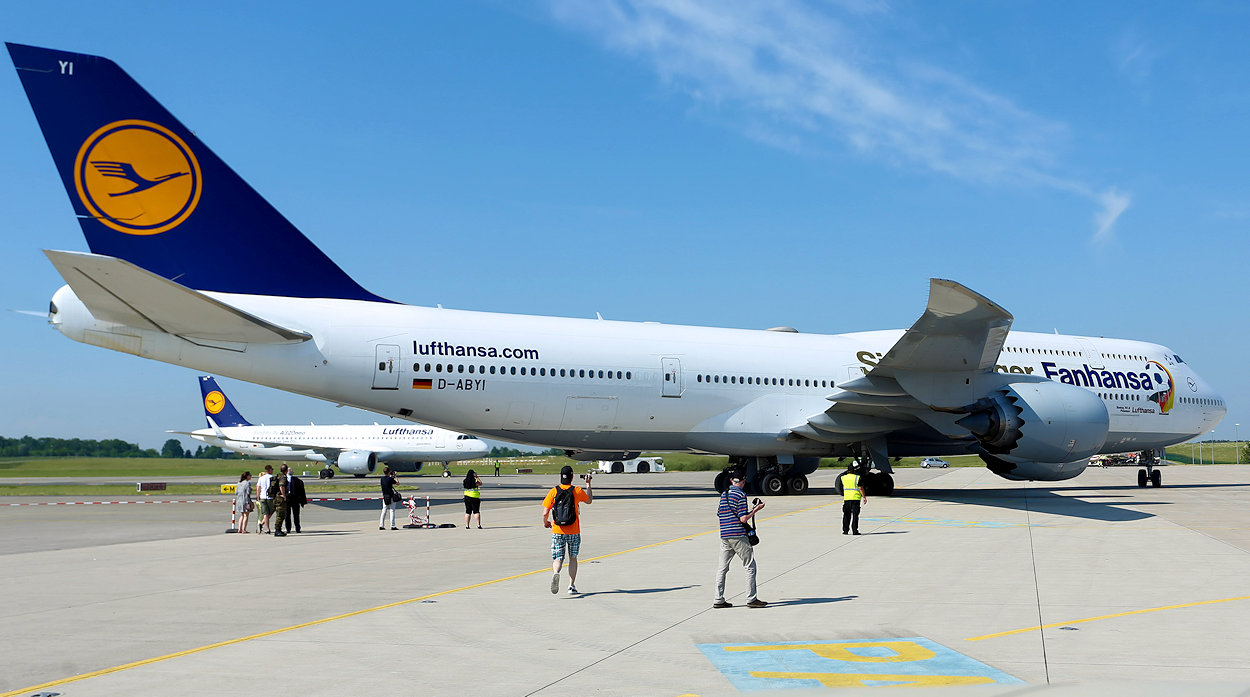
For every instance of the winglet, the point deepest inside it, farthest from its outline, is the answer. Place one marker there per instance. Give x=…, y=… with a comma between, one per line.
x=960, y=330
x=146, y=189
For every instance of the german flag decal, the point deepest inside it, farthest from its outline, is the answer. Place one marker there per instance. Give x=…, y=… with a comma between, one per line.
x=422, y=384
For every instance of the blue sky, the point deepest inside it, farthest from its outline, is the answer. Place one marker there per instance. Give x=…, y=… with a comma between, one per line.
x=730, y=164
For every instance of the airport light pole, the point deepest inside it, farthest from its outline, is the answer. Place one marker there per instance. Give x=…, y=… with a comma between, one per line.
x=1237, y=440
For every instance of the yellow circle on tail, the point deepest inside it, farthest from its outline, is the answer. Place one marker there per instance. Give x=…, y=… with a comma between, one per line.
x=137, y=177
x=214, y=402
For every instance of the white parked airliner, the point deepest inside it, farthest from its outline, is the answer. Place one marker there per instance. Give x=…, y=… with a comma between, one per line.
x=154, y=203
x=353, y=449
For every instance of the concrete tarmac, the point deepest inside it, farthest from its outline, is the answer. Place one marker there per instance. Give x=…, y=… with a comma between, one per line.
x=1089, y=587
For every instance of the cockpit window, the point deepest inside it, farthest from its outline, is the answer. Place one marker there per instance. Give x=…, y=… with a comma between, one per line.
x=1178, y=358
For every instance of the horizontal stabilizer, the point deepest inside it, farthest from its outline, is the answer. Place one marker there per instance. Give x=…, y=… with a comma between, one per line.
x=117, y=291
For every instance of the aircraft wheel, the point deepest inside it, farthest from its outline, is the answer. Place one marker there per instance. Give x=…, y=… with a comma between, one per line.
x=797, y=484
x=878, y=484
x=772, y=485
x=1141, y=478
x=722, y=482
x=1156, y=478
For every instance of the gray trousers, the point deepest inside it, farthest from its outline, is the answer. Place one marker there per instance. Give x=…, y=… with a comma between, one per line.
x=729, y=548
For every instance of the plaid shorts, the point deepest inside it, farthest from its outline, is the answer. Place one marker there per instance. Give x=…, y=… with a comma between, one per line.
x=559, y=542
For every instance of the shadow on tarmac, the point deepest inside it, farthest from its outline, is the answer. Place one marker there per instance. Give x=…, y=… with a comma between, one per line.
x=1037, y=501
x=810, y=601
x=635, y=591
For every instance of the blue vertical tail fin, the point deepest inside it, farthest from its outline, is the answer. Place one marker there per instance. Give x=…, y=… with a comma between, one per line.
x=148, y=191
x=217, y=407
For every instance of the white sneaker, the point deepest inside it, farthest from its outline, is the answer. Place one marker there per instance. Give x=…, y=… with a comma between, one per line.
x=555, y=583
x=572, y=589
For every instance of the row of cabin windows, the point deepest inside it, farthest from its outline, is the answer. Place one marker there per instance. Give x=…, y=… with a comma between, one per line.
x=524, y=370
x=1042, y=352
x=1074, y=354
x=741, y=380
x=1201, y=401
x=1119, y=396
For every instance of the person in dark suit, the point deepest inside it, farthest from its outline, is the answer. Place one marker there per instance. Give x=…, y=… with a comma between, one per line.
x=296, y=499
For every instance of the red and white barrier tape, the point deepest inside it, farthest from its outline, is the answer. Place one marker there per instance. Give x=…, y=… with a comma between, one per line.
x=101, y=503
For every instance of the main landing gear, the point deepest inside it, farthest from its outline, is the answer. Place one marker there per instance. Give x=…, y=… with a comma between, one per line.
x=771, y=477
x=1149, y=475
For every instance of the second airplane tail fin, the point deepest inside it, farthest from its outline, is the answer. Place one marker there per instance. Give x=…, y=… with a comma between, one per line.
x=217, y=407
x=146, y=189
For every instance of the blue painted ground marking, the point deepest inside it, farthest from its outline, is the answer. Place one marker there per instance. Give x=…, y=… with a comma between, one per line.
x=913, y=661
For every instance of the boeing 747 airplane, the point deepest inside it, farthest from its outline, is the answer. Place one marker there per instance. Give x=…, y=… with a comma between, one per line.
x=353, y=449
x=154, y=202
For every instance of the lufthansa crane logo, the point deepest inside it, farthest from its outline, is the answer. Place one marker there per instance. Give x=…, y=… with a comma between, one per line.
x=137, y=177
x=214, y=402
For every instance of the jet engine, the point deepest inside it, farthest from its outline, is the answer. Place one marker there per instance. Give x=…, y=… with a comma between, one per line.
x=358, y=462
x=1037, y=430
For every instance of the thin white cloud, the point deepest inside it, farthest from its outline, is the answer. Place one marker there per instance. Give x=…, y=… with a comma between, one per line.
x=1133, y=56
x=1113, y=204
x=798, y=76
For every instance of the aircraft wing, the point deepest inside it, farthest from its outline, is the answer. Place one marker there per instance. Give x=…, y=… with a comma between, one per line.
x=117, y=291
x=944, y=359
x=330, y=453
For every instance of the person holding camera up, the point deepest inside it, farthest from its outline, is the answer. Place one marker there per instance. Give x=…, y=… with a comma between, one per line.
x=735, y=520
x=560, y=513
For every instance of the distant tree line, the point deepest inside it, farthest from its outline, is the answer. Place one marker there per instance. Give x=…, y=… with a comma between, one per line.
x=498, y=451
x=173, y=448
x=28, y=446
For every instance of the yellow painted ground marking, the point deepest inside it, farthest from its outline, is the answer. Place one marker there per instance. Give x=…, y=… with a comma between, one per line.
x=261, y=635
x=1101, y=617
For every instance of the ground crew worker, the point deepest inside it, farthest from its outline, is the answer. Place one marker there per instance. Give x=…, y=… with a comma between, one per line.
x=281, y=490
x=852, y=497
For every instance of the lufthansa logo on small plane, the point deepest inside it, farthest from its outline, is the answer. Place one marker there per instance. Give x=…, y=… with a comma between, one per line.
x=214, y=402
x=137, y=177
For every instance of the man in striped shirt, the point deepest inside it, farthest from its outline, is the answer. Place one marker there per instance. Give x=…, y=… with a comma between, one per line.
x=734, y=519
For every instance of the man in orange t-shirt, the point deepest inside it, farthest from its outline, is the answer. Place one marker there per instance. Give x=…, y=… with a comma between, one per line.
x=569, y=535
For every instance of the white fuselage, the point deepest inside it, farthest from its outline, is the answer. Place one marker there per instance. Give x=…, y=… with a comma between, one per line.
x=397, y=443
x=600, y=385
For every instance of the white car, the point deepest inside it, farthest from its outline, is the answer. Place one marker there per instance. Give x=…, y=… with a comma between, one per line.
x=934, y=462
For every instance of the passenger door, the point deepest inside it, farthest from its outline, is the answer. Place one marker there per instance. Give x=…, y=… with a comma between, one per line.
x=386, y=367
x=671, y=367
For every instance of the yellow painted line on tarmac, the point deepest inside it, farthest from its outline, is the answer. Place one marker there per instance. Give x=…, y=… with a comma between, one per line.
x=272, y=632
x=1104, y=617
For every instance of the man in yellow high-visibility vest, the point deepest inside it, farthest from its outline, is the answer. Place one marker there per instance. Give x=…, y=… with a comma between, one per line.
x=852, y=497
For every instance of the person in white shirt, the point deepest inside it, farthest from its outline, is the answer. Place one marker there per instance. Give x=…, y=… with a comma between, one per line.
x=265, y=499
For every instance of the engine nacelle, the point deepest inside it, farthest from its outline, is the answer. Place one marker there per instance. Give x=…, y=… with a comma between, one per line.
x=589, y=455
x=1028, y=471
x=1038, y=422
x=358, y=462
